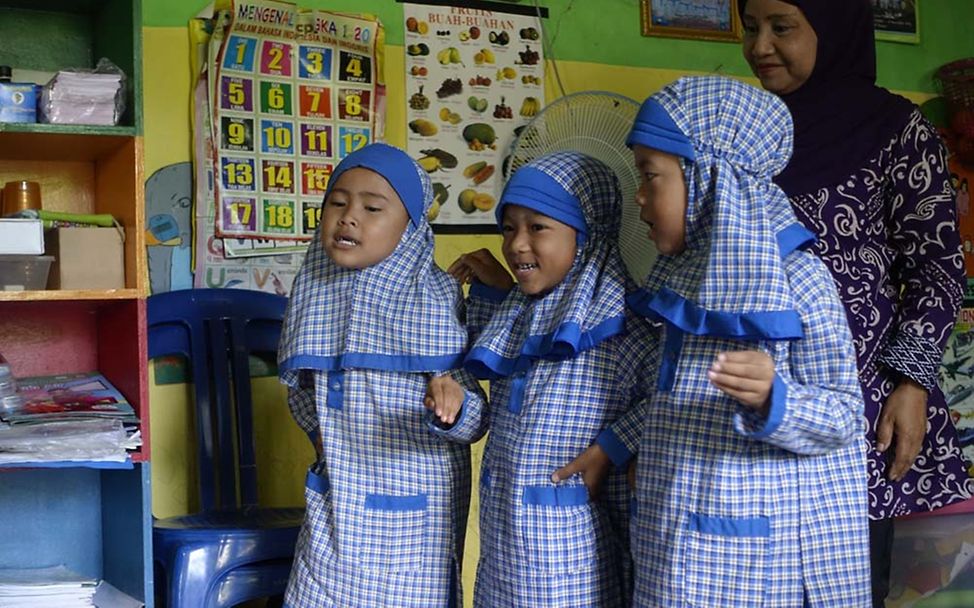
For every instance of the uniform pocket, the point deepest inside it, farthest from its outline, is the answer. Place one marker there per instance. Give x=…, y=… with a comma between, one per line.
x=558, y=529
x=727, y=561
x=393, y=537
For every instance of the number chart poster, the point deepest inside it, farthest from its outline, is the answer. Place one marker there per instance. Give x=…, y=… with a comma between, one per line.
x=294, y=92
x=472, y=78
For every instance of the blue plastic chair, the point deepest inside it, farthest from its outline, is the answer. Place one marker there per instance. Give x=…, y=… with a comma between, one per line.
x=232, y=550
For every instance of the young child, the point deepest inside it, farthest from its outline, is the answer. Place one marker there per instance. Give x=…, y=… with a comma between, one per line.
x=369, y=319
x=751, y=474
x=561, y=371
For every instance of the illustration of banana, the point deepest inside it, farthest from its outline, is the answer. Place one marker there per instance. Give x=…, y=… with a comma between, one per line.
x=530, y=107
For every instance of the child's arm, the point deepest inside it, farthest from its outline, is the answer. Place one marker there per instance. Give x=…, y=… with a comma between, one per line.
x=618, y=443
x=489, y=285
x=814, y=402
x=457, y=411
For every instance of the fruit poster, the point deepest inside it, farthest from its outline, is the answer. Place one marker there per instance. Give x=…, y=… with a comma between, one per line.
x=472, y=78
x=293, y=91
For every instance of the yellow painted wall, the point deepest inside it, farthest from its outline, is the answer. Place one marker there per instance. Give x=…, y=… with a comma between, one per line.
x=283, y=451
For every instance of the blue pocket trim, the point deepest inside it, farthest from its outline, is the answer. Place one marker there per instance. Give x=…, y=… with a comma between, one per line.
x=755, y=527
x=555, y=496
x=316, y=482
x=386, y=502
x=336, y=390
x=485, y=478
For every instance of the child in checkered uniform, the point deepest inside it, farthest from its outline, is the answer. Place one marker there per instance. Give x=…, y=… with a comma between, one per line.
x=564, y=361
x=370, y=319
x=751, y=473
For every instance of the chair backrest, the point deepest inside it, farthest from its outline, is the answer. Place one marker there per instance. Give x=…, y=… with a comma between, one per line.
x=216, y=330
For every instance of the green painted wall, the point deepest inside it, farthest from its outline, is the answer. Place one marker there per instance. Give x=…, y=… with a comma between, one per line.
x=607, y=31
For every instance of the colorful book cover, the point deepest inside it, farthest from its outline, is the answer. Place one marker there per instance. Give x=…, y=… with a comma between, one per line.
x=70, y=396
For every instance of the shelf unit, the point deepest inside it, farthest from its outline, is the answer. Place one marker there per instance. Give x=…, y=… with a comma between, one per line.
x=95, y=520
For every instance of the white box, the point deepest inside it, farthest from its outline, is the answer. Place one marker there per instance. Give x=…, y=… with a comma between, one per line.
x=21, y=236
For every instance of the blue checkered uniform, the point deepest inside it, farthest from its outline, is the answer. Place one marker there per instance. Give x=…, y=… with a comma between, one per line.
x=734, y=508
x=562, y=368
x=387, y=500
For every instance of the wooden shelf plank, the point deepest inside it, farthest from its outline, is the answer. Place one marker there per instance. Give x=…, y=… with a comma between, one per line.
x=51, y=295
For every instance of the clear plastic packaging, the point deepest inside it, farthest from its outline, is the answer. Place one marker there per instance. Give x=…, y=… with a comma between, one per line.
x=85, y=97
x=9, y=399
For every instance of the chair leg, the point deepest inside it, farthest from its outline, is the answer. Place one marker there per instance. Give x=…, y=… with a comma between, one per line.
x=192, y=569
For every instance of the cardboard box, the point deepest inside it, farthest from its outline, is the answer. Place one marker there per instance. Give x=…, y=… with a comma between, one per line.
x=21, y=236
x=18, y=101
x=86, y=258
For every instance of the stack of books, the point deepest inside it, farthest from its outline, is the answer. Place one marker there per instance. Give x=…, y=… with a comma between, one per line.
x=68, y=418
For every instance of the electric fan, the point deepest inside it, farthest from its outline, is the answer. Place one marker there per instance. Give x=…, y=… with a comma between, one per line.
x=594, y=123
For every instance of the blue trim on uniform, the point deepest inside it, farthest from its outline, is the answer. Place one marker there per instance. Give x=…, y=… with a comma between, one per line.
x=614, y=448
x=792, y=238
x=336, y=390
x=776, y=409
x=555, y=496
x=536, y=190
x=394, y=166
x=565, y=342
x=388, y=363
x=752, y=527
x=655, y=128
x=486, y=292
x=515, y=400
x=688, y=316
x=387, y=502
x=670, y=358
x=316, y=482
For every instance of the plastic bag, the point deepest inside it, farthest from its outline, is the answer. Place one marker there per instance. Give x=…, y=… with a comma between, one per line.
x=85, y=96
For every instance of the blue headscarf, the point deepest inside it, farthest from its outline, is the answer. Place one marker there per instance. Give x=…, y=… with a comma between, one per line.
x=729, y=282
x=402, y=314
x=588, y=306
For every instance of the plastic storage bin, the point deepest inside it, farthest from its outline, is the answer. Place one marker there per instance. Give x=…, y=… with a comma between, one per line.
x=24, y=272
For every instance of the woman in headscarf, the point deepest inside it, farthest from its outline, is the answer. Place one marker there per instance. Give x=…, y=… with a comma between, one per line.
x=369, y=320
x=869, y=177
x=564, y=360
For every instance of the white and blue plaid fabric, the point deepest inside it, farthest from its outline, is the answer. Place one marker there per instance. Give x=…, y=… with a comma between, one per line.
x=402, y=314
x=734, y=509
x=728, y=219
x=588, y=306
x=387, y=500
x=544, y=544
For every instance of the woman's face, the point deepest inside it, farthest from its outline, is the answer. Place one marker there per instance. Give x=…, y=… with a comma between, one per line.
x=779, y=44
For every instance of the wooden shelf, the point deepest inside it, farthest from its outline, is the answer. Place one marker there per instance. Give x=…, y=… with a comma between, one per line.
x=63, y=295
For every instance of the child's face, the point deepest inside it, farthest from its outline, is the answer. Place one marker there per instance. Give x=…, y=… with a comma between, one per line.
x=363, y=219
x=539, y=250
x=663, y=198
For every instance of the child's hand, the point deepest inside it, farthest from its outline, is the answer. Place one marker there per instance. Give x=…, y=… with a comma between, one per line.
x=593, y=464
x=444, y=397
x=483, y=266
x=745, y=375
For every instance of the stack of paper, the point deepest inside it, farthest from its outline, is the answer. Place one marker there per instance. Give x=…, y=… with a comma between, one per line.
x=81, y=98
x=54, y=587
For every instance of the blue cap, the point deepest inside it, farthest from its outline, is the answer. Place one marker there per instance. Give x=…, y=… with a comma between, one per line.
x=540, y=192
x=655, y=128
x=397, y=167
